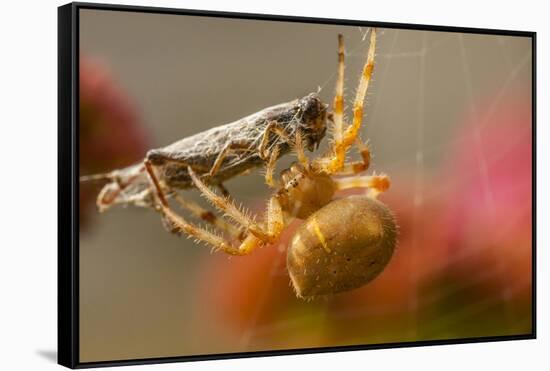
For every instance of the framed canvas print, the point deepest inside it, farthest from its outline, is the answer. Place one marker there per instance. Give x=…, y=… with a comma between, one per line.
x=236, y=185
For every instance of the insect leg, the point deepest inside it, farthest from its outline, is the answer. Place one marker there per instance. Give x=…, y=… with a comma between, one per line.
x=206, y=215
x=156, y=184
x=272, y=127
x=192, y=207
x=111, y=192
x=375, y=184
x=141, y=199
x=230, y=147
x=158, y=158
x=188, y=205
x=179, y=224
x=270, y=167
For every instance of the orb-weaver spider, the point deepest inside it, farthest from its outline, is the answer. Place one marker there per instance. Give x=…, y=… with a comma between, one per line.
x=343, y=243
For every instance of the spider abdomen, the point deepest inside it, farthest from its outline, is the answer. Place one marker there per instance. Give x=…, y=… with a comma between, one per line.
x=342, y=246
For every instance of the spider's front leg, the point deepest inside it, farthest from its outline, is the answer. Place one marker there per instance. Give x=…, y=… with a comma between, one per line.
x=179, y=224
x=344, y=139
x=209, y=217
x=249, y=242
x=274, y=218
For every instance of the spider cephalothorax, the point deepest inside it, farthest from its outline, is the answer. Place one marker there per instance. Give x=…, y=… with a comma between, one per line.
x=304, y=191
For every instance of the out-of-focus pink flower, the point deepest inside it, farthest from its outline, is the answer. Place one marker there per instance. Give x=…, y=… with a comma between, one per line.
x=492, y=168
x=111, y=135
x=490, y=221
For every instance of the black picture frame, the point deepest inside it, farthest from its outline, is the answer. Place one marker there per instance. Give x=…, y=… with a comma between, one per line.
x=68, y=184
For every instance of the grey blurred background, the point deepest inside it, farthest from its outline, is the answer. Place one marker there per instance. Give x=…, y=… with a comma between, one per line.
x=138, y=284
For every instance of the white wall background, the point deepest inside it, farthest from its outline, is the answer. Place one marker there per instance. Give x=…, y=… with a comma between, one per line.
x=28, y=244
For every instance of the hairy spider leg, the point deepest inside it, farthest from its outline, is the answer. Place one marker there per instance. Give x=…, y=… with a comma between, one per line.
x=192, y=207
x=356, y=167
x=274, y=216
x=375, y=184
x=179, y=224
x=335, y=160
x=207, y=216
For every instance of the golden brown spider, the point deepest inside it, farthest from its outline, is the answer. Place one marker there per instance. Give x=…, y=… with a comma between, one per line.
x=343, y=243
